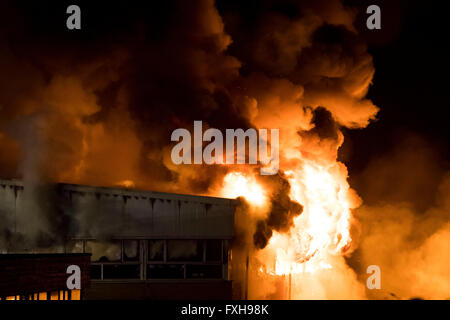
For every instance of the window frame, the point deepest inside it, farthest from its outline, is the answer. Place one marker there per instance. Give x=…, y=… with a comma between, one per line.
x=122, y=260
x=144, y=262
x=185, y=264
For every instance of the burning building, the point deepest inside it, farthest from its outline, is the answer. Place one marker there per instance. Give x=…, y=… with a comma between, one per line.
x=143, y=245
x=97, y=107
x=106, y=118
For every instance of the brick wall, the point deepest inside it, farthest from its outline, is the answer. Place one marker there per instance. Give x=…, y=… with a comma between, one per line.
x=31, y=273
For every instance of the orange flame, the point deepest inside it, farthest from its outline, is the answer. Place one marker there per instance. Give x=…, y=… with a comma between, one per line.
x=236, y=184
x=320, y=232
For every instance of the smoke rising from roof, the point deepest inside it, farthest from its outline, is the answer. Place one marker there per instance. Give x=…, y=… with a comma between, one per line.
x=98, y=107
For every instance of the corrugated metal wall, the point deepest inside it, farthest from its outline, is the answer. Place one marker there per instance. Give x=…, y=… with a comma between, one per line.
x=126, y=213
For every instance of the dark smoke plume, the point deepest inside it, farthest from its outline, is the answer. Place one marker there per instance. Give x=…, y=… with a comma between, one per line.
x=282, y=212
x=98, y=106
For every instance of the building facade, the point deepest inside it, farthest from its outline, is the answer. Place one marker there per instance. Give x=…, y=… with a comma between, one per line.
x=143, y=245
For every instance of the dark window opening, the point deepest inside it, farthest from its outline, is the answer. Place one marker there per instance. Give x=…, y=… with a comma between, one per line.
x=204, y=271
x=213, y=250
x=165, y=271
x=96, y=271
x=121, y=271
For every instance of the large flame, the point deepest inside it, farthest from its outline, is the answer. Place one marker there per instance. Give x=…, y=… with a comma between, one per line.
x=236, y=184
x=324, y=227
x=320, y=234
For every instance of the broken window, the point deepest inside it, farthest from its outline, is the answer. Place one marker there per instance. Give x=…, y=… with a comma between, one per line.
x=184, y=250
x=131, y=250
x=110, y=251
x=156, y=250
x=115, y=259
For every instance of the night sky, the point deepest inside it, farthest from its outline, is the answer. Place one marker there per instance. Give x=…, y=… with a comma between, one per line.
x=410, y=87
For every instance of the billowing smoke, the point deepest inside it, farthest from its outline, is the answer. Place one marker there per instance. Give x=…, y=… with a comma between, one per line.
x=281, y=214
x=99, y=107
x=404, y=223
x=105, y=116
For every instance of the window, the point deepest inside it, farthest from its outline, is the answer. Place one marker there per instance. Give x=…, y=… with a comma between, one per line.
x=184, y=250
x=121, y=271
x=131, y=250
x=110, y=251
x=96, y=271
x=54, y=295
x=165, y=271
x=115, y=259
x=185, y=259
x=213, y=250
x=156, y=250
x=161, y=259
x=201, y=271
